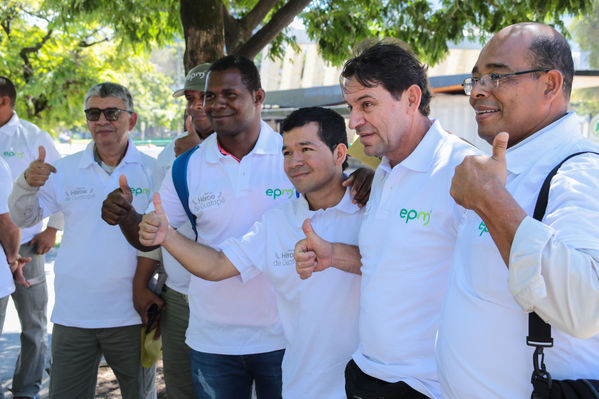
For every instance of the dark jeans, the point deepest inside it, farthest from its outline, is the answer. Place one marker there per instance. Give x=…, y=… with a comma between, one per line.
x=231, y=376
x=359, y=385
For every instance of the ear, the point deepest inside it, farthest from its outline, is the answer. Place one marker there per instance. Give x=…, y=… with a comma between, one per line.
x=340, y=154
x=413, y=96
x=4, y=101
x=554, y=82
x=132, y=120
x=259, y=97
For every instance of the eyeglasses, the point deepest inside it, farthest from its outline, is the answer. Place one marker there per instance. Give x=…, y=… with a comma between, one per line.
x=111, y=114
x=491, y=80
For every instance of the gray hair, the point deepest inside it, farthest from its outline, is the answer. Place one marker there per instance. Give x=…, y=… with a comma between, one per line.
x=108, y=89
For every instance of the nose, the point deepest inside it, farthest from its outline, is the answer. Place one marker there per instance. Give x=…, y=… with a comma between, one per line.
x=355, y=118
x=296, y=160
x=480, y=89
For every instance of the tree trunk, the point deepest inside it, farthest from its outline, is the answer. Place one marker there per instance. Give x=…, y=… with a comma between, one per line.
x=203, y=28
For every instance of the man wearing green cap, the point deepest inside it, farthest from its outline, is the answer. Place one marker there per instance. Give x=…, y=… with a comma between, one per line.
x=175, y=315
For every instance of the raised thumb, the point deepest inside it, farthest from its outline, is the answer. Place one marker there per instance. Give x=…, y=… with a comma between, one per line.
x=42, y=153
x=308, y=230
x=158, y=204
x=123, y=184
x=499, y=146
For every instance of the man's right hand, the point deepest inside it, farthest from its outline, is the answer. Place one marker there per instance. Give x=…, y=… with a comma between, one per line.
x=39, y=171
x=117, y=206
x=312, y=254
x=186, y=143
x=153, y=228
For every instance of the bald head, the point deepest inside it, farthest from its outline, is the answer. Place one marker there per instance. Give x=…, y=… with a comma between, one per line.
x=547, y=49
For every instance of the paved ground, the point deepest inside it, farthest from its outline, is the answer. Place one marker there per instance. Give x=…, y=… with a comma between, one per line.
x=9, y=349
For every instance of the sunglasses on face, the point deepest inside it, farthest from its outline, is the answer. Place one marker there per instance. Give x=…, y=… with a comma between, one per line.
x=111, y=114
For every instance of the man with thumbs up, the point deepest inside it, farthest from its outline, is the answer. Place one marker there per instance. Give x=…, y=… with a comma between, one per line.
x=408, y=230
x=507, y=264
x=19, y=142
x=93, y=314
x=320, y=315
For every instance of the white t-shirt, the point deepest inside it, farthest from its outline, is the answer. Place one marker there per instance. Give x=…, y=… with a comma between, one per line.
x=177, y=277
x=230, y=317
x=320, y=314
x=481, y=348
x=7, y=285
x=19, y=147
x=406, y=241
x=95, y=264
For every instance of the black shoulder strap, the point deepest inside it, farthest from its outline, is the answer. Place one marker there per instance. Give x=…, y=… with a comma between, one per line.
x=539, y=332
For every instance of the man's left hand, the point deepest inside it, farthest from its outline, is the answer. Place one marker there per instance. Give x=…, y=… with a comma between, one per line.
x=17, y=271
x=479, y=175
x=360, y=182
x=44, y=241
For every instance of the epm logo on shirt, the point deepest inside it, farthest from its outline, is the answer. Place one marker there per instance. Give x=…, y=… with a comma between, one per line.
x=418, y=216
x=138, y=190
x=10, y=154
x=286, y=193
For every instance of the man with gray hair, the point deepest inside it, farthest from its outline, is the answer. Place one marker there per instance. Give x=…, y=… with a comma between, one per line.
x=93, y=314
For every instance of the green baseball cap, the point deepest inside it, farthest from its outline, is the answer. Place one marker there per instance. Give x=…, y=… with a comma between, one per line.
x=195, y=79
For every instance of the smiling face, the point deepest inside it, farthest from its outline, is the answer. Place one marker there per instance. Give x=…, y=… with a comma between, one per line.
x=229, y=104
x=110, y=136
x=195, y=108
x=309, y=163
x=519, y=105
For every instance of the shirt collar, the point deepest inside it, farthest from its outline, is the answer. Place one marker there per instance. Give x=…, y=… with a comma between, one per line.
x=264, y=145
x=10, y=127
x=422, y=158
x=552, y=137
x=131, y=156
x=345, y=206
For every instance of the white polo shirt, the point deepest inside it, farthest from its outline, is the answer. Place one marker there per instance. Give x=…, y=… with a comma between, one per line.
x=177, y=277
x=406, y=241
x=95, y=264
x=320, y=314
x=7, y=285
x=19, y=142
x=227, y=196
x=481, y=348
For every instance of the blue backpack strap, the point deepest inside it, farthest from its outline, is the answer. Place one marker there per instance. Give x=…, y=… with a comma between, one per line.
x=179, y=172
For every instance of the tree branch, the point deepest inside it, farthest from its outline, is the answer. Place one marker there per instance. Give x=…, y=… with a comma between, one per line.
x=84, y=44
x=268, y=32
x=257, y=15
x=27, y=69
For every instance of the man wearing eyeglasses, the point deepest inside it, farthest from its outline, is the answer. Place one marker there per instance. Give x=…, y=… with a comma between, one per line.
x=93, y=314
x=506, y=263
x=19, y=141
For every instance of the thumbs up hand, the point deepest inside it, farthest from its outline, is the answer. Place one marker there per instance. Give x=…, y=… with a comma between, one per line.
x=117, y=206
x=480, y=175
x=153, y=228
x=312, y=254
x=39, y=171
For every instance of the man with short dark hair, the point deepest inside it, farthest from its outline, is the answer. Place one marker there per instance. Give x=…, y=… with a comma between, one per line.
x=174, y=317
x=314, y=311
x=234, y=329
x=408, y=229
x=93, y=314
x=19, y=142
x=506, y=263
